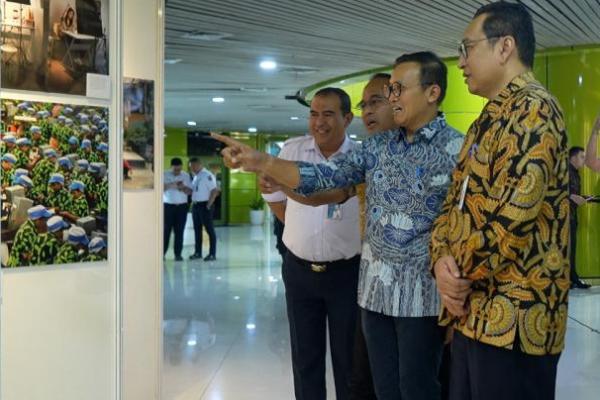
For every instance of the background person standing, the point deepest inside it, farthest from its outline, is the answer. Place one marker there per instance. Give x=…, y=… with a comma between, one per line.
x=177, y=187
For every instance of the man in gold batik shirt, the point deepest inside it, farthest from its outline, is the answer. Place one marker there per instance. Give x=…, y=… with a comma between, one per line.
x=499, y=250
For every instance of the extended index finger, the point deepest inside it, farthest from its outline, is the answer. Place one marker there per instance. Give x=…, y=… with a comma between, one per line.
x=226, y=139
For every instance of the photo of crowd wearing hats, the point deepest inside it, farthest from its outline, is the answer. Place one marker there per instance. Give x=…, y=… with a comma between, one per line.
x=54, y=181
x=53, y=45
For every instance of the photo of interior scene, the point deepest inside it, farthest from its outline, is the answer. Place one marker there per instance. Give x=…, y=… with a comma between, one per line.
x=138, y=131
x=54, y=188
x=52, y=45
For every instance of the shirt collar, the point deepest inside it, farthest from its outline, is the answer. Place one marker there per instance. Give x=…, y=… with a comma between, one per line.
x=518, y=83
x=428, y=131
x=345, y=147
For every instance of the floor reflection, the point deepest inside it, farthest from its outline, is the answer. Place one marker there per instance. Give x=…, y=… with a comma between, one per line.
x=226, y=335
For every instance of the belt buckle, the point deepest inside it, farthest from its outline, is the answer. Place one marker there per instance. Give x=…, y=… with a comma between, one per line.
x=318, y=267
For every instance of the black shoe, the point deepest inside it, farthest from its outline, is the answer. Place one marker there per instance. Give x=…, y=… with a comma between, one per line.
x=581, y=285
x=178, y=258
x=195, y=256
x=210, y=257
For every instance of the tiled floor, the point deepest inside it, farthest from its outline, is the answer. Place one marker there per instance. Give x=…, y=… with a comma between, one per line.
x=226, y=334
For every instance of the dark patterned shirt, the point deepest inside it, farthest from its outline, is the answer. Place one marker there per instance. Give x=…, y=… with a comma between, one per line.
x=511, y=236
x=406, y=185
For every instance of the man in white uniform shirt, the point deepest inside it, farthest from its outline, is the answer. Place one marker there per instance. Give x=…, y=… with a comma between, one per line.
x=320, y=270
x=177, y=187
x=204, y=193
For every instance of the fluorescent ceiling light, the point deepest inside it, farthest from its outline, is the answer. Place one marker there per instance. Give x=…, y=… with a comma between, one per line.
x=252, y=129
x=206, y=36
x=171, y=61
x=218, y=100
x=268, y=65
x=353, y=136
x=191, y=123
x=294, y=118
x=251, y=326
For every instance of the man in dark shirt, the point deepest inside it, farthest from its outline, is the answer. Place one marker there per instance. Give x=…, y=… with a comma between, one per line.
x=576, y=161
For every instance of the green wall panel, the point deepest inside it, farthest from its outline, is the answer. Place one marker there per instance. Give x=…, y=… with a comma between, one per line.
x=239, y=215
x=241, y=197
x=458, y=99
x=574, y=78
x=242, y=180
x=461, y=121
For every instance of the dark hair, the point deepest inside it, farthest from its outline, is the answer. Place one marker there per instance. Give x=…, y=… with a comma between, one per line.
x=573, y=151
x=175, y=162
x=345, y=103
x=194, y=160
x=433, y=70
x=510, y=19
x=380, y=75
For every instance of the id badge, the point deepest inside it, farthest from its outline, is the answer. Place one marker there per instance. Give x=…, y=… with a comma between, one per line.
x=334, y=212
x=463, y=193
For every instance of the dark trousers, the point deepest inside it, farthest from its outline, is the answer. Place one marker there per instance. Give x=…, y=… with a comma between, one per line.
x=175, y=216
x=361, y=384
x=317, y=301
x=483, y=372
x=203, y=217
x=405, y=355
x=573, y=249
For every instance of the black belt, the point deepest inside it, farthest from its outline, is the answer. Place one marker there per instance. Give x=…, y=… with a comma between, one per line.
x=175, y=205
x=200, y=202
x=323, y=266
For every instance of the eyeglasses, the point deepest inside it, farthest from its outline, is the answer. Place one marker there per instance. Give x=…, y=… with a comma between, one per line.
x=465, y=45
x=372, y=103
x=397, y=88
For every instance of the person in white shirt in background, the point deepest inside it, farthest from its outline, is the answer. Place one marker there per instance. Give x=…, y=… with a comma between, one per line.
x=177, y=187
x=320, y=270
x=204, y=193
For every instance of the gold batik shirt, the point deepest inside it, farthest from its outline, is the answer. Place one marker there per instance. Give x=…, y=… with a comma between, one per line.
x=511, y=235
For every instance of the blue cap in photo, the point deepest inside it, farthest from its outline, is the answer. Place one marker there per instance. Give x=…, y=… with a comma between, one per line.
x=37, y=212
x=10, y=158
x=77, y=236
x=56, y=178
x=56, y=223
x=50, y=153
x=77, y=185
x=96, y=245
x=23, y=180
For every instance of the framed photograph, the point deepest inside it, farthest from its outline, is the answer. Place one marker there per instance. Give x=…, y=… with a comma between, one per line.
x=138, y=131
x=54, y=187
x=53, y=45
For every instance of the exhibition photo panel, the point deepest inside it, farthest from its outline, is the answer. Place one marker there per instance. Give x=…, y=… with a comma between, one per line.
x=53, y=45
x=54, y=183
x=138, y=134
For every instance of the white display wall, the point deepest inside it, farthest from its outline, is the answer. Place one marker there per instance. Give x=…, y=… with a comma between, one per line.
x=60, y=325
x=142, y=218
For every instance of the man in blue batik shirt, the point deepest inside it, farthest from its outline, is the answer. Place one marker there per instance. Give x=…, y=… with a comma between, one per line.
x=407, y=172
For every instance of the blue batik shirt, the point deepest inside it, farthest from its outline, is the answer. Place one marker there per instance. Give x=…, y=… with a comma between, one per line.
x=406, y=185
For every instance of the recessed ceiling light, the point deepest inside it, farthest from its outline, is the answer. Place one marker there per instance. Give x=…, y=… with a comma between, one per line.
x=252, y=129
x=251, y=326
x=268, y=65
x=218, y=100
x=191, y=123
x=294, y=118
x=171, y=61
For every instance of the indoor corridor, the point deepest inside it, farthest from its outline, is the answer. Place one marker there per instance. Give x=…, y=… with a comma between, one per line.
x=226, y=334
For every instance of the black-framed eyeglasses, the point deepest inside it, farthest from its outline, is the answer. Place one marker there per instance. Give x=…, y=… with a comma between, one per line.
x=397, y=87
x=373, y=102
x=465, y=45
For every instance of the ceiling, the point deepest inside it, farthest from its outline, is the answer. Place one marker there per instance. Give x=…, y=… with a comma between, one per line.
x=313, y=41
